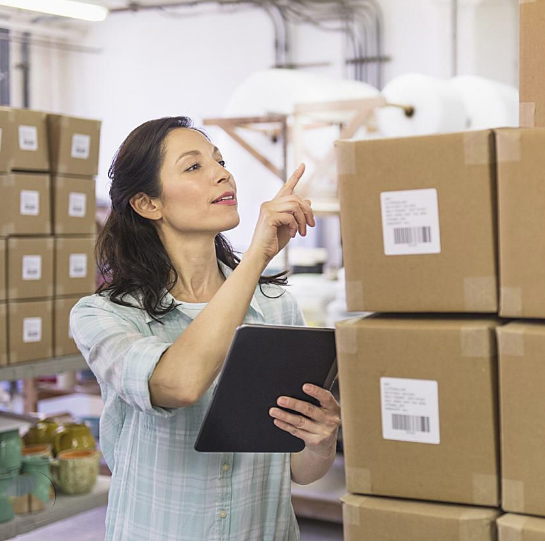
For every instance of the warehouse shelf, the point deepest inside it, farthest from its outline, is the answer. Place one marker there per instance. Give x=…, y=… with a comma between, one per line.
x=50, y=366
x=64, y=506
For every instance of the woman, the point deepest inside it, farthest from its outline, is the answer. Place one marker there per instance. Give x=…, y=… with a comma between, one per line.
x=157, y=335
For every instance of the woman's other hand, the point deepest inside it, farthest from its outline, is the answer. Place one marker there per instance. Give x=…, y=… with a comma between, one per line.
x=316, y=426
x=282, y=218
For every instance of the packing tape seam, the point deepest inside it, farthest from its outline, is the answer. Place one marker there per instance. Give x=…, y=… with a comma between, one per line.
x=513, y=491
x=480, y=293
x=511, y=301
x=485, y=489
x=509, y=146
x=477, y=343
x=527, y=1
x=351, y=515
x=527, y=114
x=476, y=148
x=347, y=339
x=346, y=158
x=513, y=529
x=472, y=526
x=354, y=291
x=510, y=343
x=358, y=478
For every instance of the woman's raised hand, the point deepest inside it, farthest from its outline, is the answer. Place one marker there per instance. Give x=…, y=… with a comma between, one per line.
x=282, y=218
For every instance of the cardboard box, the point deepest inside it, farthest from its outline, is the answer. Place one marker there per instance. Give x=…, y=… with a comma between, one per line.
x=73, y=144
x=30, y=267
x=30, y=330
x=420, y=407
x=30, y=150
x=3, y=334
x=520, y=528
x=25, y=207
x=74, y=206
x=6, y=139
x=532, y=63
x=522, y=382
x=418, y=223
x=75, y=271
x=63, y=341
x=3, y=281
x=366, y=518
x=521, y=206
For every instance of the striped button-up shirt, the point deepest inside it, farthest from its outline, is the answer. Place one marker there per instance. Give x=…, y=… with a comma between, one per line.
x=161, y=488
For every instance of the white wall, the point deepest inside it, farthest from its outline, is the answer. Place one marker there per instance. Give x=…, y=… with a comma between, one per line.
x=152, y=65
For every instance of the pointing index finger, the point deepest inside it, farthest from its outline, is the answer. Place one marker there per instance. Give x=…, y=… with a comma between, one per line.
x=289, y=186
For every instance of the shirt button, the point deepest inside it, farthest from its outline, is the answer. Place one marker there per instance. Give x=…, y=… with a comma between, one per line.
x=225, y=467
x=223, y=514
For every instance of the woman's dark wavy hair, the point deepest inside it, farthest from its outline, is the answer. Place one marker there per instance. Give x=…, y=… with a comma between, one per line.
x=129, y=252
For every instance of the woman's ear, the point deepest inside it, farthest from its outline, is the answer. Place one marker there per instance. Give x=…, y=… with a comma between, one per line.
x=146, y=207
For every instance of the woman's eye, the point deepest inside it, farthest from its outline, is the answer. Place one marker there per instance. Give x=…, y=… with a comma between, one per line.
x=222, y=163
x=193, y=167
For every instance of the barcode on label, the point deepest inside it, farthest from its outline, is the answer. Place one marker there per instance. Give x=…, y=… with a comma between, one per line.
x=412, y=235
x=411, y=423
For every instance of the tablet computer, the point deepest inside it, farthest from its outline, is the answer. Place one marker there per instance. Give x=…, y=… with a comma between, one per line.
x=265, y=362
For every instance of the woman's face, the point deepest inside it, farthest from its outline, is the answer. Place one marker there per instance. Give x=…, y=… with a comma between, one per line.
x=198, y=193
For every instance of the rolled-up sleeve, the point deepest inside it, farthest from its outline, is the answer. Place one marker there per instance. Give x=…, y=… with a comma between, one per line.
x=119, y=355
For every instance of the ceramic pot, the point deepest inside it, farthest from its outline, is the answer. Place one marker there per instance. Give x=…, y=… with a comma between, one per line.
x=38, y=467
x=6, y=510
x=41, y=432
x=73, y=436
x=43, y=449
x=10, y=451
x=75, y=471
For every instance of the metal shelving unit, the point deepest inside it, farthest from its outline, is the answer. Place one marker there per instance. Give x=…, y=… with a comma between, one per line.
x=64, y=506
x=51, y=366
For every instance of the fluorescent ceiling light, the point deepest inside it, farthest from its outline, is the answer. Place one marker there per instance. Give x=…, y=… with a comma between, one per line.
x=64, y=8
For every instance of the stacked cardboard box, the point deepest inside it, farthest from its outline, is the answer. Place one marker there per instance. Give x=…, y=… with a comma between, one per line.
x=47, y=213
x=369, y=518
x=419, y=391
x=447, y=223
x=74, y=149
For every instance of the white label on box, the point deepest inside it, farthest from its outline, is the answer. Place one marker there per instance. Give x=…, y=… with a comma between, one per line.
x=410, y=222
x=32, y=330
x=81, y=145
x=28, y=138
x=78, y=265
x=77, y=203
x=32, y=267
x=410, y=410
x=30, y=203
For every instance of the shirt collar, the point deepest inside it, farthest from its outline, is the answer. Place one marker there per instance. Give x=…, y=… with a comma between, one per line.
x=227, y=272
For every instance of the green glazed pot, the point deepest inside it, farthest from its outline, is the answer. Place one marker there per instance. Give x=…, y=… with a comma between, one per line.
x=10, y=451
x=75, y=471
x=6, y=511
x=73, y=436
x=38, y=466
x=41, y=432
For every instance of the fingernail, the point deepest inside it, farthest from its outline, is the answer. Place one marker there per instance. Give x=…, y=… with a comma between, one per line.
x=282, y=401
x=307, y=388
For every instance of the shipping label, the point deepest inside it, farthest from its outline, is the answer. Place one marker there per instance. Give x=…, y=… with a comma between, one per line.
x=78, y=266
x=81, y=145
x=410, y=222
x=28, y=138
x=77, y=204
x=32, y=267
x=29, y=203
x=32, y=330
x=410, y=410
